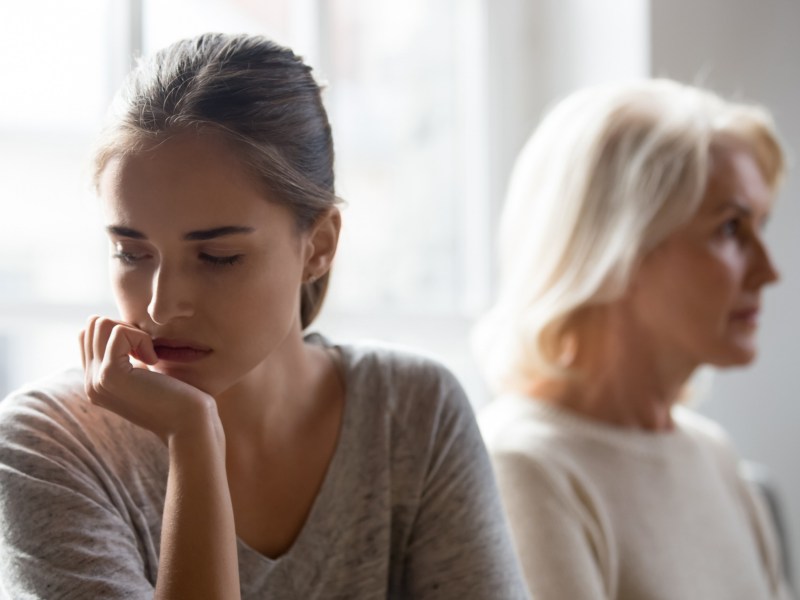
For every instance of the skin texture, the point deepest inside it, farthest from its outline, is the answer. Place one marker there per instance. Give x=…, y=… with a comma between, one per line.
x=209, y=355
x=694, y=300
x=699, y=293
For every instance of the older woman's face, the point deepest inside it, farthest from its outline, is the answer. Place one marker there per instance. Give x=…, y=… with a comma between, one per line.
x=698, y=294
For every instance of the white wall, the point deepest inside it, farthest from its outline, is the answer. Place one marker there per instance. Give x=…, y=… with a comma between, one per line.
x=750, y=50
x=540, y=50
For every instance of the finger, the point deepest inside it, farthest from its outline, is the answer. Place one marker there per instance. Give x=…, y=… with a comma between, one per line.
x=112, y=362
x=142, y=348
x=81, y=342
x=116, y=367
x=88, y=357
x=88, y=337
x=116, y=360
x=126, y=342
x=103, y=327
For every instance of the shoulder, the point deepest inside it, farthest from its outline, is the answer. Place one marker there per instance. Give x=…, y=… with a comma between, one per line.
x=382, y=363
x=46, y=406
x=707, y=435
x=699, y=426
x=710, y=440
x=533, y=446
x=748, y=482
x=511, y=422
x=60, y=455
x=415, y=404
x=519, y=430
x=409, y=382
x=49, y=427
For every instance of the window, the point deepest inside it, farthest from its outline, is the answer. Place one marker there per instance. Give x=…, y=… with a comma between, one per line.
x=405, y=96
x=55, y=64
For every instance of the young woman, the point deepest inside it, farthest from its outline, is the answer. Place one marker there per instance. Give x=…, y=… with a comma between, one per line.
x=633, y=252
x=209, y=449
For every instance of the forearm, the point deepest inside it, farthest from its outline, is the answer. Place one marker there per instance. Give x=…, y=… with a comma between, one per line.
x=198, y=539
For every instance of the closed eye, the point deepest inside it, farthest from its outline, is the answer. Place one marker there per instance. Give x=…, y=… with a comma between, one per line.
x=220, y=261
x=129, y=258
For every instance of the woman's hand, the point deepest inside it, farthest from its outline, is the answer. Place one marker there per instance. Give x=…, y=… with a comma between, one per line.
x=198, y=537
x=162, y=404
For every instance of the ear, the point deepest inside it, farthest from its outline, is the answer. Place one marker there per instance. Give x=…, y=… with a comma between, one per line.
x=321, y=243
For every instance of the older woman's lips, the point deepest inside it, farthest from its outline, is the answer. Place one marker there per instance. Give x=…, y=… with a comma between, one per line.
x=748, y=316
x=180, y=350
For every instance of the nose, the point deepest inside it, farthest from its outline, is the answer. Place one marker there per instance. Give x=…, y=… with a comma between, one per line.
x=170, y=296
x=762, y=269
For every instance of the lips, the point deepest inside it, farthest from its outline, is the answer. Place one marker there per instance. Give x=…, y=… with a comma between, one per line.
x=747, y=315
x=174, y=350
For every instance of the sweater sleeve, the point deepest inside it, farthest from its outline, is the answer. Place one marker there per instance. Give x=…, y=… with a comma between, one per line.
x=459, y=546
x=558, y=535
x=744, y=478
x=767, y=538
x=61, y=534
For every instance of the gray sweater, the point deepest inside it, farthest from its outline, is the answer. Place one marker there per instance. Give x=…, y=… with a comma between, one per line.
x=408, y=507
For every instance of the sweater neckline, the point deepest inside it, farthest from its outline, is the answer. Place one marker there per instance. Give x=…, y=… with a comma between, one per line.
x=330, y=481
x=632, y=438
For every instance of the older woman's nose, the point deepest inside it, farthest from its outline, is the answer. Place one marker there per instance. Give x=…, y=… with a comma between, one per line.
x=762, y=268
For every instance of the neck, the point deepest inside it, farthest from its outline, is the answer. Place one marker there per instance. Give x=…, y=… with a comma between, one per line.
x=623, y=378
x=278, y=395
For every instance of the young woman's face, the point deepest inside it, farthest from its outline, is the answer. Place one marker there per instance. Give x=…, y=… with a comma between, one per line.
x=699, y=292
x=202, y=261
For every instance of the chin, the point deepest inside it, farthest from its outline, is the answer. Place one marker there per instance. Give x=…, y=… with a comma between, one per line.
x=735, y=357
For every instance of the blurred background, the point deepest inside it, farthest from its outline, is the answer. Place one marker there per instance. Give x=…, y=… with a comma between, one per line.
x=430, y=102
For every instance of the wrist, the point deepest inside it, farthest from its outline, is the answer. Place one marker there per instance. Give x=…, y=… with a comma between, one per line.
x=199, y=426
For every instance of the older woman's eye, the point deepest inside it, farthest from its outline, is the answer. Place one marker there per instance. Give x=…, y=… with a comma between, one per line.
x=731, y=227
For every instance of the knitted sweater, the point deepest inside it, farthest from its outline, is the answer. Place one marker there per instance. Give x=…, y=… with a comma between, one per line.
x=408, y=507
x=604, y=512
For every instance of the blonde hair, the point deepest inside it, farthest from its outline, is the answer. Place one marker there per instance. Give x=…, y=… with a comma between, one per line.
x=609, y=173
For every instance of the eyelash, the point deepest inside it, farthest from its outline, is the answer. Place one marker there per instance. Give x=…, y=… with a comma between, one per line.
x=731, y=227
x=220, y=261
x=129, y=258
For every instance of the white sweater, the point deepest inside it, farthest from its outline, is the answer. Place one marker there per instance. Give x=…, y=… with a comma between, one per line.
x=604, y=512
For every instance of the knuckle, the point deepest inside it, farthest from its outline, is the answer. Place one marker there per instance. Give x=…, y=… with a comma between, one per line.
x=104, y=380
x=93, y=394
x=98, y=388
x=104, y=323
x=93, y=397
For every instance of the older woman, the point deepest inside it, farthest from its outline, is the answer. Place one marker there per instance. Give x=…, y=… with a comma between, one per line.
x=633, y=253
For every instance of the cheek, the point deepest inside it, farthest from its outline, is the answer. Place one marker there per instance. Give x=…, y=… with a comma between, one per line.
x=717, y=281
x=266, y=299
x=130, y=293
x=676, y=292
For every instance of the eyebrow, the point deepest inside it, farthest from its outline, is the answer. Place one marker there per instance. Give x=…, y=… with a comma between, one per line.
x=735, y=205
x=744, y=211
x=210, y=234
x=126, y=232
x=199, y=235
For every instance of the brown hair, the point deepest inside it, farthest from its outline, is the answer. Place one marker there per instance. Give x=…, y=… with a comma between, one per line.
x=260, y=97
